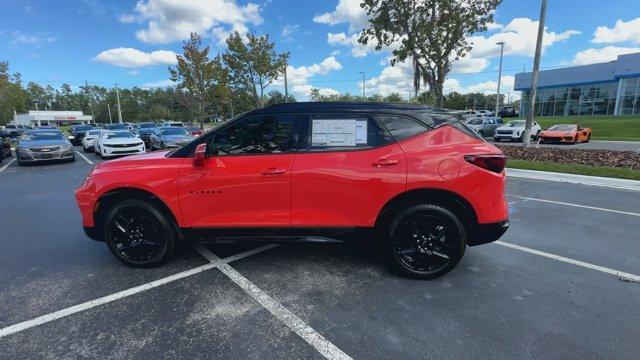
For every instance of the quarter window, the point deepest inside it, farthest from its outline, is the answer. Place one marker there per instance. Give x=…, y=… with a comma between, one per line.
x=401, y=127
x=266, y=134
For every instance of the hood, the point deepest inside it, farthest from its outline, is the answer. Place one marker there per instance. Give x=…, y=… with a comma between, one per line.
x=138, y=160
x=177, y=138
x=42, y=143
x=119, y=141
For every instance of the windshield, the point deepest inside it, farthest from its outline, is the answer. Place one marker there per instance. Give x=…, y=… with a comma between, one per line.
x=174, y=131
x=515, y=123
x=81, y=128
x=42, y=136
x=147, y=125
x=562, y=127
x=116, y=126
x=93, y=132
x=118, y=134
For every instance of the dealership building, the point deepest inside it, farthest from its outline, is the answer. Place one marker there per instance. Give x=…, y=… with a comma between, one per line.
x=611, y=88
x=55, y=118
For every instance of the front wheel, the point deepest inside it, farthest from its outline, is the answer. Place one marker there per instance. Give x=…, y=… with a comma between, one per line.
x=138, y=233
x=426, y=241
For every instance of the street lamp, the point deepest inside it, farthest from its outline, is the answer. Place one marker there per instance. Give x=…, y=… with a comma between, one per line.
x=501, y=43
x=364, y=94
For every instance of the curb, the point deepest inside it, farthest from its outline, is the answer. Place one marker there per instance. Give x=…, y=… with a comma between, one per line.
x=623, y=184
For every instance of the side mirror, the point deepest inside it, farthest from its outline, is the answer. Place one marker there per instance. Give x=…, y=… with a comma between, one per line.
x=200, y=155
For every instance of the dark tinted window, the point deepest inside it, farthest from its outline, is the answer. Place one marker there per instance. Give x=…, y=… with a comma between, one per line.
x=402, y=127
x=259, y=135
x=345, y=132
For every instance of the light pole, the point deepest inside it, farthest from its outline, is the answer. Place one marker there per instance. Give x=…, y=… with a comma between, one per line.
x=364, y=93
x=534, y=76
x=119, y=109
x=501, y=43
x=286, y=87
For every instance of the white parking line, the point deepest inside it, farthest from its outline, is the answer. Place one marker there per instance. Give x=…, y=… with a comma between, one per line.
x=620, y=274
x=85, y=158
x=577, y=205
x=122, y=294
x=7, y=165
x=312, y=337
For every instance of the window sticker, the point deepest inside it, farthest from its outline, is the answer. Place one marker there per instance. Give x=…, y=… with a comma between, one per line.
x=334, y=132
x=361, y=132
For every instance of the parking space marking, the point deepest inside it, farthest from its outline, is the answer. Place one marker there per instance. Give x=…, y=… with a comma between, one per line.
x=124, y=293
x=308, y=334
x=85, y=158
x=577, y=205
x=7, y=165
x=620, y=274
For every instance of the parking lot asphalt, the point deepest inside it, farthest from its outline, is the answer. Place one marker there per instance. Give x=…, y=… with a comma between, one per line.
x=591, y=145
x=499, y=303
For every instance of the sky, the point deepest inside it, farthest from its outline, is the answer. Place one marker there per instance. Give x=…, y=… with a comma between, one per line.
x=131, y=43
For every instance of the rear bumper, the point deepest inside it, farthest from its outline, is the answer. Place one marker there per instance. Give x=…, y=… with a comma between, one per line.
x=487, y=233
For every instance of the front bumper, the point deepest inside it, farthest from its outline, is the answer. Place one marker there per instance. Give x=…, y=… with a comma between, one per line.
x=108, y=151
x=91, y=233
x=76, y=140
x=512, y=136
x=557, y=139
x=27, y=156
x=487, y=233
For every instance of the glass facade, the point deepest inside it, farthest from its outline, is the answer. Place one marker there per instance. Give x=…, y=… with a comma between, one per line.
x=629, y=96
x=589, y=99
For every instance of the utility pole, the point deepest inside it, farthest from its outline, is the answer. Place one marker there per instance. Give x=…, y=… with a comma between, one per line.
x=364, y=92
x=109, y=108
x=286, y=89
x=501, y=43
x=119, y=108
x=534, y=76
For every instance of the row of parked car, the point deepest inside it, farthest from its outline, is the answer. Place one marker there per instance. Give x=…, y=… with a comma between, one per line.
x=514, y=130
x=45, y=143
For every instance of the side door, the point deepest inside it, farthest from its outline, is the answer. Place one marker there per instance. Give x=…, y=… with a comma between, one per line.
x=246, y=180
x=347, y=167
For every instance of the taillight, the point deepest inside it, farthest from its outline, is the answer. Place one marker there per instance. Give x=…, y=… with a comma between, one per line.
x=495, y=163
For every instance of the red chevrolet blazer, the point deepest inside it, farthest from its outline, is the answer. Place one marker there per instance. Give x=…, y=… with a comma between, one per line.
x=410, y=177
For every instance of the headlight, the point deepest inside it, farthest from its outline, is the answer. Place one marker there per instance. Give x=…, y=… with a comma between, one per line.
x=71, y=137
x=66, y=146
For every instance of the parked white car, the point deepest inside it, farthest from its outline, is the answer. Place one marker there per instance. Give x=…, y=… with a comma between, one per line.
x=470, y=114
x=514, y=131
x=89, y=137
x=118, y=143
x=172, y=124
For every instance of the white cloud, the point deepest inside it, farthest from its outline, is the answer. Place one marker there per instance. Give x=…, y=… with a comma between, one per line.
x=158, y=84
x=494, y=26
x=288, y=31
x=31, y=39
x=173, y=20
x=133, y=72
x=621, y=32
x=608, y=53
x=347, y=11
x=298, y=77
x=129, y=57
x=303, y=91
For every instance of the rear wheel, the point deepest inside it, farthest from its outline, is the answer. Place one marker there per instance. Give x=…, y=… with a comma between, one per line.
x=575, y=139
x=588, y=138
x=138, y=233
x=426, y=241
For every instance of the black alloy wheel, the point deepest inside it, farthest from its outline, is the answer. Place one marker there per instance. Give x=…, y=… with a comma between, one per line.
x=426, y=241
x=138, y=233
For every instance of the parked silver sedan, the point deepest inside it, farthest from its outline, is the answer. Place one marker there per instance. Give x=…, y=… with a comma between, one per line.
x=484, y=126
x=43, y=145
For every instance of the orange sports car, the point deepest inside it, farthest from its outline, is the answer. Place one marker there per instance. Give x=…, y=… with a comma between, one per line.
x=566, y=133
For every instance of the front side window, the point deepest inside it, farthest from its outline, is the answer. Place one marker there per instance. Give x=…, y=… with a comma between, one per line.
x=345, y=132
x=402, y=127
x=265, y=134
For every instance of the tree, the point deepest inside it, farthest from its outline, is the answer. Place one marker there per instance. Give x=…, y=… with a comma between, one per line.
x=202, y=82
x=12, y=96
x=255, y=65
x=433, y=33
x=276, y=97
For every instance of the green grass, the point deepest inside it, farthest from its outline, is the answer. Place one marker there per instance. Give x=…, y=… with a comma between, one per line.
x=603, y=127
x=612, y=172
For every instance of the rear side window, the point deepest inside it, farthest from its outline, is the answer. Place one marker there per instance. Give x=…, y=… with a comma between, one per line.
x=329, y=132
x=267, y=134
x=402, y=127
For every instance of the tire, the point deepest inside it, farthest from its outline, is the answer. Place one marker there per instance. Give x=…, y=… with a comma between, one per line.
x=537, y=136
x=588, y=138
x=139, y=233
x=521, y=139
x=413, y=245
x=575, y=139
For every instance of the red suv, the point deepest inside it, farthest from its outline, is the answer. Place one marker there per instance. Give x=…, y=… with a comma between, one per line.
x=411, y=176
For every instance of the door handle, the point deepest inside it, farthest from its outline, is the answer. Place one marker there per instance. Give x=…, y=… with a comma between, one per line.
x=385, y=162
x=274, y=171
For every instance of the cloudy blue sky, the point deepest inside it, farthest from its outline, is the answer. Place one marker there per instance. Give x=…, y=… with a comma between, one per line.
x=132, y=42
